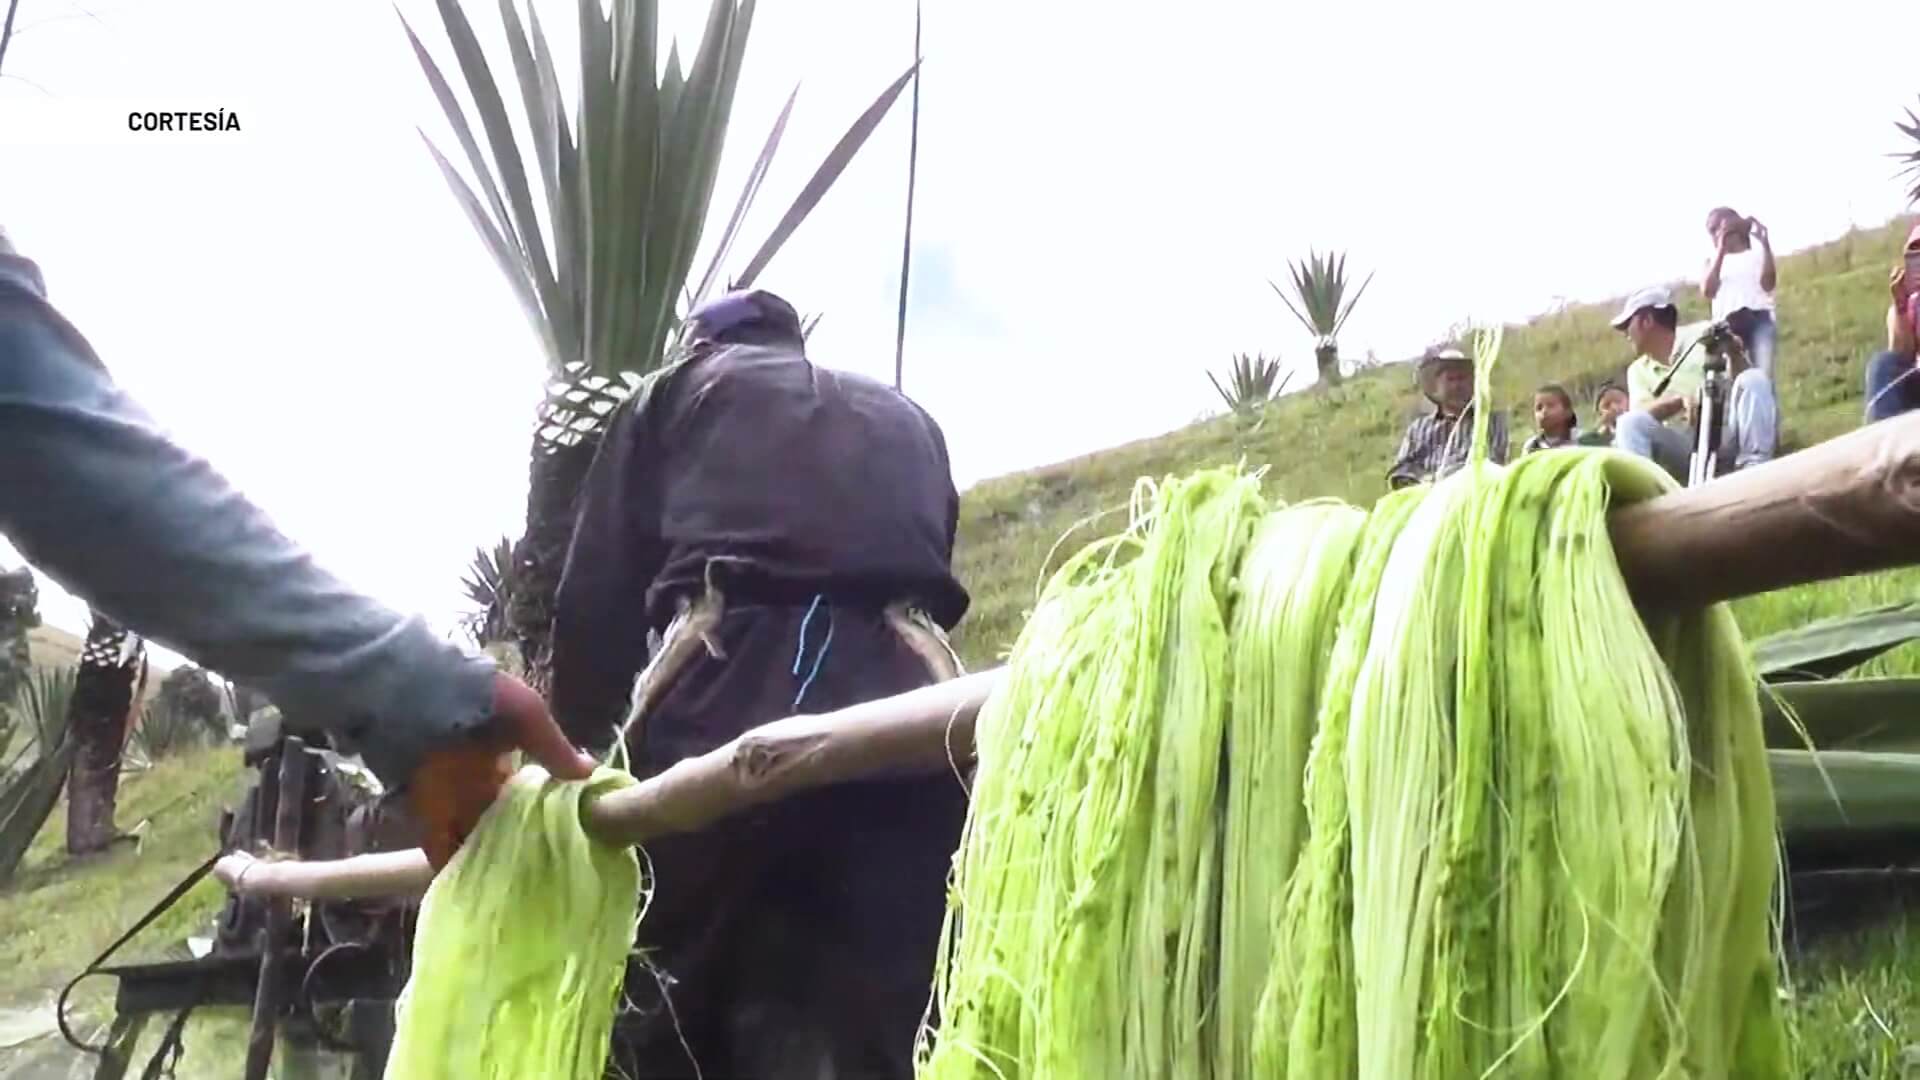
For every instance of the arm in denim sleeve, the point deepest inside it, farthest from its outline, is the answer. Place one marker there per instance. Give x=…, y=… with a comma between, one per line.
x=96, y=495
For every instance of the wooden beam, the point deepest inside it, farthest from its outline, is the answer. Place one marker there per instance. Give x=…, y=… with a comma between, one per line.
x=1847, y=506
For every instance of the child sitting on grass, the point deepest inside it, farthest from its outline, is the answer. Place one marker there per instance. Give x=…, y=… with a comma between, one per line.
x=1554, y=419
x=1611, y=404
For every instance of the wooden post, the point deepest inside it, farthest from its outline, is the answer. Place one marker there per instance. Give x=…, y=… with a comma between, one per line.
x=269, y=992
x=1847, y=506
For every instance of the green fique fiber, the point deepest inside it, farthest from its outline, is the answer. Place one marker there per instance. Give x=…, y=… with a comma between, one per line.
x=521, y=944
x=1314, y=793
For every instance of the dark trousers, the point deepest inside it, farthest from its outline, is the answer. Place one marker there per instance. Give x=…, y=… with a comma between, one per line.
x=796, y=939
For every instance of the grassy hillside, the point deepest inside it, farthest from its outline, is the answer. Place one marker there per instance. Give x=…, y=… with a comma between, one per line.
x=1339, y=441
x=51, y=646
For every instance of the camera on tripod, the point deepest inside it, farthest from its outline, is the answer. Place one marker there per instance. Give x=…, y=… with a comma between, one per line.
x=1719, y=341
x=1710, y=408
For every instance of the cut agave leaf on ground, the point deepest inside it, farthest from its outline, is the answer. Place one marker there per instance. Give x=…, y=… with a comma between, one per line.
x=1843, y=714
x=1829, y=647
x=1845, y=791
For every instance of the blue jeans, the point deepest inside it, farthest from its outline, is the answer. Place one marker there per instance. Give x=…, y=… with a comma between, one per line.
x=1893, y=386
x=1760, y=334
x=1749, y=437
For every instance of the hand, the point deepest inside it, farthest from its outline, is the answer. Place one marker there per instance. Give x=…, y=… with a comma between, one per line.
x=1686, y=410
x=454, y=785
x=233, y=868
x=1897, y=283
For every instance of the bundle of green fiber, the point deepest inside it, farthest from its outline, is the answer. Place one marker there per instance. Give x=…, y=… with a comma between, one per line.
x=1080, y=935
x=1284, y=618
x=1418, y=794
x=521, y=944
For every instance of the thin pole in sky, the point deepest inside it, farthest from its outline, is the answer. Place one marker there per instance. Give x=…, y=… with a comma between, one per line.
x=13, y=8
x=906, y=244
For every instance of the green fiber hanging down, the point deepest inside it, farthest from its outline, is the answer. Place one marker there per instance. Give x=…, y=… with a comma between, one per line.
x=1323, y=794
x=1085, y=901
x=495, y=993
x=1291, y=584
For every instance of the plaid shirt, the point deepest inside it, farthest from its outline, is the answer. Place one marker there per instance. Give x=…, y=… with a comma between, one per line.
x=1436, y=445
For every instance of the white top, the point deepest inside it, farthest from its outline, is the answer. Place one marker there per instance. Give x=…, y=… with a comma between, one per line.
x=1740, y=284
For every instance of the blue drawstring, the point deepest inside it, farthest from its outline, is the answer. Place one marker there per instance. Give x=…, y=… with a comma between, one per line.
x=801, y=651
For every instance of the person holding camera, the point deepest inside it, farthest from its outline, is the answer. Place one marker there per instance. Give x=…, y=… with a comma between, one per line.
x=1664, y=383
x=1739, y=283
x=1893, y=382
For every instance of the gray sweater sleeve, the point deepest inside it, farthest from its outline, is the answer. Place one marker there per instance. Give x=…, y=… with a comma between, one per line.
x=96, y=495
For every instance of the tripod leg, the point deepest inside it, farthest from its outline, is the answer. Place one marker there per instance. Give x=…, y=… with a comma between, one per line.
x=117, y=1058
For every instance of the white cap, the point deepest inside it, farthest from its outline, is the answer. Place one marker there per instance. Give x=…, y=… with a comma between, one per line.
x=1653, y=296
x=6, y=245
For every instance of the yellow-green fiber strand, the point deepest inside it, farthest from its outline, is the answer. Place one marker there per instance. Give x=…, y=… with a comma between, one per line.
x=521, y=944
x=1306, y=1021
x=1291, y=584
x=1084, y=910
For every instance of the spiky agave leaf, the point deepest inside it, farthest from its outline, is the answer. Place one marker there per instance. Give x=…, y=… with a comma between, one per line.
x=1320, y=286
x=1829, y=647
x=1252, y=381
x=489, y=584
x=1911, y=157
x=29, y=791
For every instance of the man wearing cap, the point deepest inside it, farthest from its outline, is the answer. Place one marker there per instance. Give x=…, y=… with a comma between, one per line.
x=1663, y=384
x=783, y=533
x=1439, y=442
x=99, y=497
x=1893, y=380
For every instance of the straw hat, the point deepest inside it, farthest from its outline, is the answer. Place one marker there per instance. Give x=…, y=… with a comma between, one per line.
x=1436, y=360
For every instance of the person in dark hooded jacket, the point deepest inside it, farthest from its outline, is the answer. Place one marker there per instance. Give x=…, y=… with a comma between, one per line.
x=758, y=537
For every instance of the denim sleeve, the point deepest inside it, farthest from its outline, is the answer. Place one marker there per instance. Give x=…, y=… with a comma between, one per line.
x=96, y=495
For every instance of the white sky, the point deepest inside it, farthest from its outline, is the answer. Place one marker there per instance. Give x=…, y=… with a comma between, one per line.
x=1104, y=191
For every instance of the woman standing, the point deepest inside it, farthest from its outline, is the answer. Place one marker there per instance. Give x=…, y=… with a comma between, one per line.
x=1740, y=281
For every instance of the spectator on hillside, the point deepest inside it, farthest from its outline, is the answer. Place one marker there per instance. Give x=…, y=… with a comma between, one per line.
x=1739, y=282
x=1663, y=383
x=1893, y=387
x=1610, y=404
x=1439, y=442
x=1554, y=423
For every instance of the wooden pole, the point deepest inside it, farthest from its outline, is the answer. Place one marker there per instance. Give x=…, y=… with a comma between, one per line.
x=1843, y=507
x=270, y=989
x=1847, y=506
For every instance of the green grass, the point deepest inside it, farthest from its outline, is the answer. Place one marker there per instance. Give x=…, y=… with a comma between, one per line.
x=1855, y=1004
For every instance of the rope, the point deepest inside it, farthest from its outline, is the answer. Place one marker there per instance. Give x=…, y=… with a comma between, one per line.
x=819, y=657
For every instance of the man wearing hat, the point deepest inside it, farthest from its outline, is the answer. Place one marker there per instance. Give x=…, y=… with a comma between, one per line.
x=1893, y=382
x=1439, y=442
x=1663, y=384
x=759, y=537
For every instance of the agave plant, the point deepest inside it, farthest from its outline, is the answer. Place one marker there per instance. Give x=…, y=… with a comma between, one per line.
x=1845, y=751
x=1251, y=382
x=30, y=789
x=1911, y=156
x=489, y=584
x=1320, y=286
x=601, y=265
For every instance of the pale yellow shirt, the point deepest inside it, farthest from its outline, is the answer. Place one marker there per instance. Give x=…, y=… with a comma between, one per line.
x=1645, y=373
